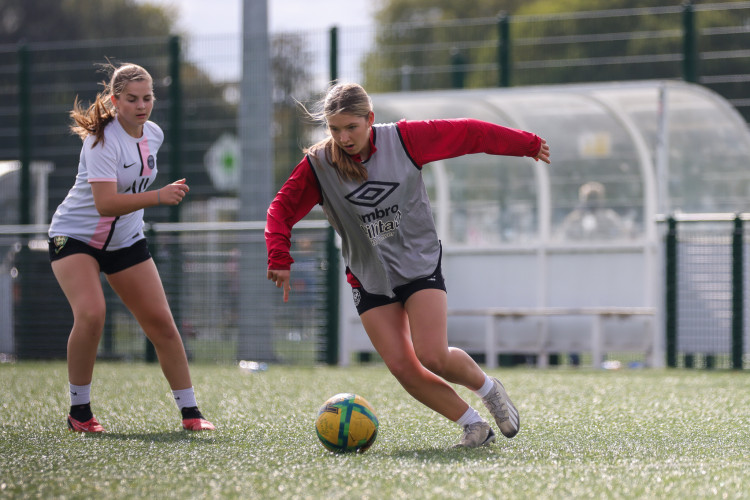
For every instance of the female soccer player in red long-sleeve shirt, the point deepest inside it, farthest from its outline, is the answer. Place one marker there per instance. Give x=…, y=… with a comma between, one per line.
x=368, y=179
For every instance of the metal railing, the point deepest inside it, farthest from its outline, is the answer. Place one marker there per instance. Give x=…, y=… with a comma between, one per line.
x=705, y=290
x=214, y=276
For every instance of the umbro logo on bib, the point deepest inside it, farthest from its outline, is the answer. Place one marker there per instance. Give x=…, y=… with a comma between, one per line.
x=371, y=193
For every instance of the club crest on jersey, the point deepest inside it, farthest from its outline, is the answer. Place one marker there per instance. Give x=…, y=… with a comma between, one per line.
x=59, y=242
x=151, y=162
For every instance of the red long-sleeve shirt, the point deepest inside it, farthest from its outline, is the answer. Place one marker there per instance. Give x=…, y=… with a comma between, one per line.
x=425, y=141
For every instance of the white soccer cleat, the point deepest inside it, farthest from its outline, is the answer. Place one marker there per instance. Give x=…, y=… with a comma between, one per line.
x=476, y=435
x=501, y=407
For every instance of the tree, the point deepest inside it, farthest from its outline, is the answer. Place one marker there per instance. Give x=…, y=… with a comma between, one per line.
x=55, y=20
x=418, y=41
x=290, y=63
x=87, y=33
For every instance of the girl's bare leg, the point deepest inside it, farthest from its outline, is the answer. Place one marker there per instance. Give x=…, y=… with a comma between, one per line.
x=78, y=276
x=388, y=329
x=141, y=290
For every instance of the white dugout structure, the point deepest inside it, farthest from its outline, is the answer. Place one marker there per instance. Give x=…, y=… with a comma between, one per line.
x=567, y=258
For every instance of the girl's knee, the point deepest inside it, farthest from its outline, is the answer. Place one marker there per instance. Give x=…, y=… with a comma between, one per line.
x=162, y=332
x=405, y=370
x=90, y=320
x=433, y=360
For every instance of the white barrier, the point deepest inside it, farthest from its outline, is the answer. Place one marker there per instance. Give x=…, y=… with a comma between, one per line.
x=542, y=343
x=494, y=339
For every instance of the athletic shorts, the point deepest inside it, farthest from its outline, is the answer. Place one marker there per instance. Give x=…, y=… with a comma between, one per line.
x=110, y=261
x=364, y=301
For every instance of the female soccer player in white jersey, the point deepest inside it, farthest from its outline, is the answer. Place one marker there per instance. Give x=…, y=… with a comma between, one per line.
x=368, y=178
x=99, y=228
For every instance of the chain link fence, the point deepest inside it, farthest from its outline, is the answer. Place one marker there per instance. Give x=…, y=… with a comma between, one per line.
x=706, y=290
x=203, y=269
x=200, y=267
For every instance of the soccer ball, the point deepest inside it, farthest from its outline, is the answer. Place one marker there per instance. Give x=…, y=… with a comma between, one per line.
x=346, y=422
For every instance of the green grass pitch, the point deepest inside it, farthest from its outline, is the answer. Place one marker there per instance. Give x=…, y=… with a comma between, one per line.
x=584, y=434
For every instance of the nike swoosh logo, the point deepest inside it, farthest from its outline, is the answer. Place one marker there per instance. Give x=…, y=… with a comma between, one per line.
x=128, y=166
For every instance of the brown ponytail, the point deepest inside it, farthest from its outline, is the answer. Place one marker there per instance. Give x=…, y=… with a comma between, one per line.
x=348, y=98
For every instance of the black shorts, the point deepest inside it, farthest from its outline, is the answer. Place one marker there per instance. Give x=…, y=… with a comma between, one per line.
x=364, y=301
x=110, y=261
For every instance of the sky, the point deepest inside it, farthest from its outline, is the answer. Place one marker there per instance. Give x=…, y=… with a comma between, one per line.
x=225, y=16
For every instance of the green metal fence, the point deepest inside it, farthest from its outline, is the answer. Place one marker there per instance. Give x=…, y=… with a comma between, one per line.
x=197, y=88
x=197, y=79
x=704, y=43
x=200, y=266
x=705, y=290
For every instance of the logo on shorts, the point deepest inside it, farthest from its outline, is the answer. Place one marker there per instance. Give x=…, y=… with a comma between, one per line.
x=357, y=296
x=59, y=242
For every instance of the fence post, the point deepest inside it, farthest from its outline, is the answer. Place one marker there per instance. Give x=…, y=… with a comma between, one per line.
x=458, y=71
x=175, y=120
x=333, y=53
x=174, y=284
x=332, y=292
x=689, y=54
x=738, y=298
x=150, y=351
x=503, y=50
x=671, y=293
x=24, y=134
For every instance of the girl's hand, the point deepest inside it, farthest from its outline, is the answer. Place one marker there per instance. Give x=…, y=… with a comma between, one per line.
x=280, y=277
x=543, y=153
x=172, y=194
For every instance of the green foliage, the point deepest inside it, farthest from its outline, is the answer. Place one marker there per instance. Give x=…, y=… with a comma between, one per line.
x=585, y=434
x=56, y=20
x=430, y=45
x=407, y=39
x=425, y=11
x=86, y=34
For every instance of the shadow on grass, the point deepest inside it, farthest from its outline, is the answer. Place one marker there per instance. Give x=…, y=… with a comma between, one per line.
x=160, y=437
x=440, y=455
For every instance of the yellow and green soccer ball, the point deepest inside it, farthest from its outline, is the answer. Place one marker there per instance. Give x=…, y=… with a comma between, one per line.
x=345, y=423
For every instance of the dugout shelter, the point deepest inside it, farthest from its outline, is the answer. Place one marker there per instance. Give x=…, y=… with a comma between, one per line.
x=580, y=234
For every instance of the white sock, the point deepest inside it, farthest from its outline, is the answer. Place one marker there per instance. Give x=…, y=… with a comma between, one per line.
x=486, y=388
x=185, y=398
x=469, y=417
x=80, y=394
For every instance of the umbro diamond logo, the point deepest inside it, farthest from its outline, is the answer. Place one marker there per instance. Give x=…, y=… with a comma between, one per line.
x=371, y=193
x=128, y=166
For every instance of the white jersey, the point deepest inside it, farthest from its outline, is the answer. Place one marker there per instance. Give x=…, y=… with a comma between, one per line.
x=120, y=158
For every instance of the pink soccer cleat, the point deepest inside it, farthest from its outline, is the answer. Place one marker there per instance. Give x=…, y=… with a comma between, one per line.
x=197, y=424
x=90, y=425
